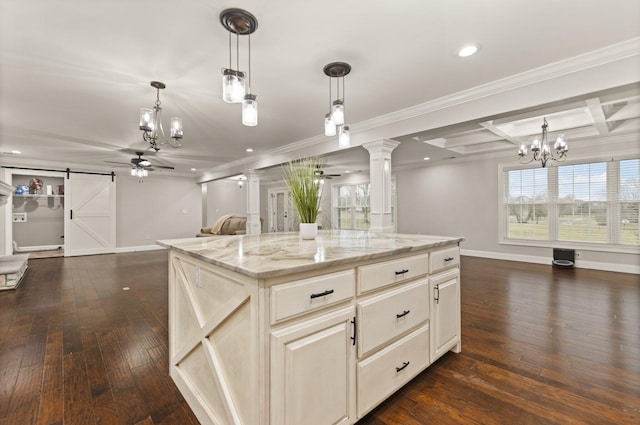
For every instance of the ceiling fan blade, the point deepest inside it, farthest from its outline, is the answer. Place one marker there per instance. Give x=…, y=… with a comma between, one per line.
x=118, y=163
x=163, y=166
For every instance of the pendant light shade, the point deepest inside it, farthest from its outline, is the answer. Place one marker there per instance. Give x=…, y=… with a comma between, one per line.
x=232, y=86
x=344, y=137
x=337, y=112
x=250, y=110
x=329, y=125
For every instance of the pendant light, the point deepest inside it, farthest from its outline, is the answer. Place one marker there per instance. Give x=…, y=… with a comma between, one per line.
x=239, y=22
x=334, y=121
x=151, y=123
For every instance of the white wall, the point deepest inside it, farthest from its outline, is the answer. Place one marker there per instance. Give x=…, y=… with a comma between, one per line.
x=160, y=207
x=225, y=197
x=461, y=199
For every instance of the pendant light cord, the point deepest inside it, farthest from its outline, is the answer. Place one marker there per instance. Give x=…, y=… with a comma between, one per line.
x=249, y=63
x=229, y=49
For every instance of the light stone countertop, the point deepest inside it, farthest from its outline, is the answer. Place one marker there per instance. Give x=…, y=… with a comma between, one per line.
x=278, y=254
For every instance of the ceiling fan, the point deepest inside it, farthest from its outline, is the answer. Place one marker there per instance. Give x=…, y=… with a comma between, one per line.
x=321, y=174
x=142, y=163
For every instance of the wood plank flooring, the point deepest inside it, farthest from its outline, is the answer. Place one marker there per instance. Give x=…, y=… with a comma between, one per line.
x=540, y=346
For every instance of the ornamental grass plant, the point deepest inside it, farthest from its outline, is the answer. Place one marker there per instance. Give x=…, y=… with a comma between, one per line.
x=303, y=182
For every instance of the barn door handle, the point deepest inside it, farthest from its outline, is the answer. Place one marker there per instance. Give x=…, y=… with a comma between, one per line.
x=70, y=214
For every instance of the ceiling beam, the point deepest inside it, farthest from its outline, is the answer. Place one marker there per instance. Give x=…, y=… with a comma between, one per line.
x=488, y=125
x=594, y=108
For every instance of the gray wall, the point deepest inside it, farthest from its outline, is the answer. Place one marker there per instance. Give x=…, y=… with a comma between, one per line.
x=462, y=199
x=161, y=207
x=225, y=197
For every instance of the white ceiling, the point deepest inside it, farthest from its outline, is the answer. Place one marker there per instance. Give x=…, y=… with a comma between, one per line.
x=74, y=73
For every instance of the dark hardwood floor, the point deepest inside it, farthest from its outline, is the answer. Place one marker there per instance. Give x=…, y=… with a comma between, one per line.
x=540, y=346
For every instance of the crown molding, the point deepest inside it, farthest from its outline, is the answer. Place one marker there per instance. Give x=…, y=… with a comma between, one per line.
x=317, y=144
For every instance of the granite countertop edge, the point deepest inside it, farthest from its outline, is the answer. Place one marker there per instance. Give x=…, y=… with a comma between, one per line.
x=260, y=265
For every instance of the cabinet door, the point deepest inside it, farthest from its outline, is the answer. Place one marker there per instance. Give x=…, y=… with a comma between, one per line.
x=445, y=313
x=312, y=371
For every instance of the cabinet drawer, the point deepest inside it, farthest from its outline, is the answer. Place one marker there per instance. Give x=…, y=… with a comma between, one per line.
x=386, y=371
x=444, y=259
x=389, y=272
x=389, y=315
x=291, y=299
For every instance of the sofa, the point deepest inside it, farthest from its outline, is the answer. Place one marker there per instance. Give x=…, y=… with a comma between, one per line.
x=226, y=225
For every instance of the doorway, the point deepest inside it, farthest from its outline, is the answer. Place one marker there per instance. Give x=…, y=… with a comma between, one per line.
x=281, y=214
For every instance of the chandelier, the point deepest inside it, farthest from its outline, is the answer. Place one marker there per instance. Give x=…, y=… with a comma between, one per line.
x=540, y=150
x=239, y=22
x=334, y=120
x=151, y=122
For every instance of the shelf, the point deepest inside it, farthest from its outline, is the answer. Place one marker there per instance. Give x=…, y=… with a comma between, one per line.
x=37, y=195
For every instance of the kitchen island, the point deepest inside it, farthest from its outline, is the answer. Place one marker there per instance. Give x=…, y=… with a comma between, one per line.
x=273, y=329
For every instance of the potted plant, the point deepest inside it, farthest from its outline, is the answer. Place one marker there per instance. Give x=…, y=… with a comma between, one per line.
x=303, y=183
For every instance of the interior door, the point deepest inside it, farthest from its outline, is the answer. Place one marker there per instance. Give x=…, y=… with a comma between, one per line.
x=280, y=219
x=90, y=214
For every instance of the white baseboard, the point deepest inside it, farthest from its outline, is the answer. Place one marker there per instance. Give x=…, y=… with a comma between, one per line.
x=37, y=248
x=580, y=264
x=123, y=249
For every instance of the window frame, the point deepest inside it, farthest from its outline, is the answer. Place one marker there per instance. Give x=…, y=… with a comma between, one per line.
x=552, y=176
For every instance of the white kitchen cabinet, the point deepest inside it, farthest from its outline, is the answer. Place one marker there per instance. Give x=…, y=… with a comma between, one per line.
x=260, y=335
x=313, y=371
x=445, y=313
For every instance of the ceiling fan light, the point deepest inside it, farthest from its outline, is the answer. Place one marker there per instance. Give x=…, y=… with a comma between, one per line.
x=133, y=172
x=329, y=126
x=250, y=110
x=146, y=119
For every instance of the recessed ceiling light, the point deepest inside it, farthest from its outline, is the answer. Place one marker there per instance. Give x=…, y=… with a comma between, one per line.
x=426, y=158
x=249, y=150
x=347, y=171
x=467, y=50
x=194, y=169
x=16, y=152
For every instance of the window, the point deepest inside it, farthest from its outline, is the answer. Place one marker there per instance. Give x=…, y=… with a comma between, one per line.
x=526, y=204
x=351, y=206
x=582, y=203
x=593, y=203
x=629, y=201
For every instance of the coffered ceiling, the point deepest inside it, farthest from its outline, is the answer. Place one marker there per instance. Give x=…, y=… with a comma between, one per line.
x=74, y=74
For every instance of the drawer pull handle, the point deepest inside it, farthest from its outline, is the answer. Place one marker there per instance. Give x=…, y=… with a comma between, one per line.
x=402, y=272
x=321, y=294
x=404, y=364
x=437, y=291
x=404, y=313
x=449, y=259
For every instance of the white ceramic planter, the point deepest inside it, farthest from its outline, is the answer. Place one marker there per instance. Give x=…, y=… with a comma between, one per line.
x=308, y=230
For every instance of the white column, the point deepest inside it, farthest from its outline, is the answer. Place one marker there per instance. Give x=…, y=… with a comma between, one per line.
x=380, y=181
x=253, y=202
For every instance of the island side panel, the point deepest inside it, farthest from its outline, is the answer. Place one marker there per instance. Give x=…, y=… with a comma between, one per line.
x=214, y=341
